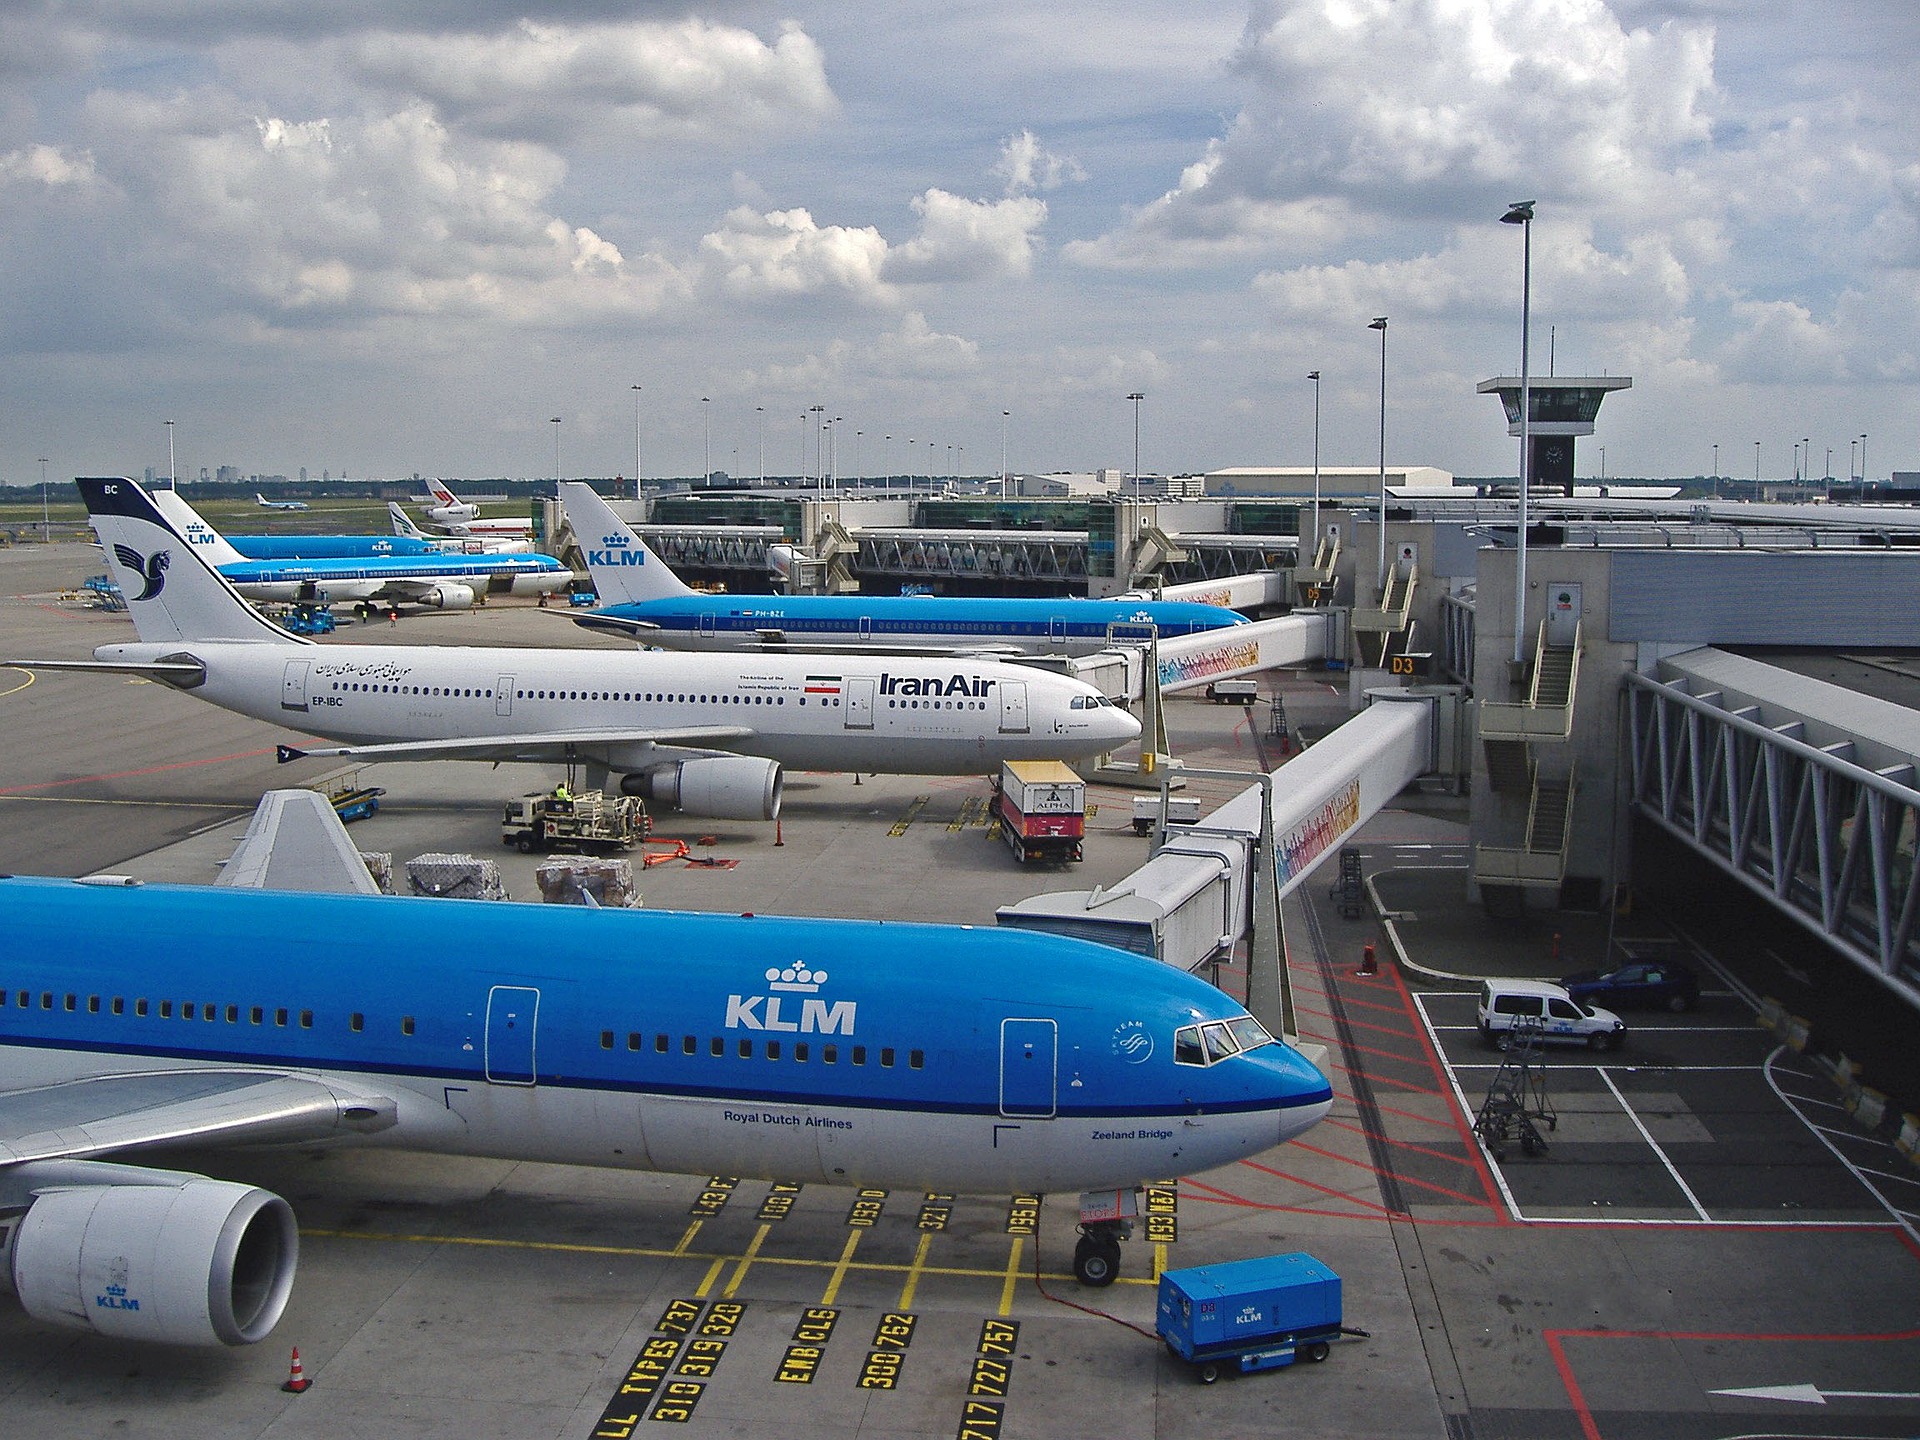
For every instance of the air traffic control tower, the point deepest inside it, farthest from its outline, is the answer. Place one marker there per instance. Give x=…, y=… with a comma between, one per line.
x=1563, y=406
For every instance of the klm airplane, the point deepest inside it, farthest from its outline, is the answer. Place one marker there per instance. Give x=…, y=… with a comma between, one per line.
x=188, y=521
x=800, y=1051
x=641, y=595
x=447, y=582
x=707, y=733
x=266, y=504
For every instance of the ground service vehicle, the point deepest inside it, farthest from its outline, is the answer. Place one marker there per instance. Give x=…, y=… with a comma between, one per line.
x=1041, y=809
x=1234, y=692
x=1654, y=984
x=1507, y=1003
x=558, y=820
x=1249, y=1315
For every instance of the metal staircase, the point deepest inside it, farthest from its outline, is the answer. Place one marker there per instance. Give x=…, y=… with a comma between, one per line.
x=1392, y=615
x=1509, y=735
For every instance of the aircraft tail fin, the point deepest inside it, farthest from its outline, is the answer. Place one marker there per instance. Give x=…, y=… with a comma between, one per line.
x=624, y=570
x=403, y=523
x=193, y=528
x=442, y=494
x=170, y=584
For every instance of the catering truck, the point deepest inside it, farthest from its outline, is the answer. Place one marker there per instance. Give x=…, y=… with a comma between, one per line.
x=1040, y=807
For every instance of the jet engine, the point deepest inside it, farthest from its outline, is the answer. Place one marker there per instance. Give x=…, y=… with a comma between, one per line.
x=154, y=1255
x=720, y=787
x=448, y=596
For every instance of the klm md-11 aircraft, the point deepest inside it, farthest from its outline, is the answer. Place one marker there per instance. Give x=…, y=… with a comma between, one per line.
x=641, y=595
x=707, y=733
x=801, y=1051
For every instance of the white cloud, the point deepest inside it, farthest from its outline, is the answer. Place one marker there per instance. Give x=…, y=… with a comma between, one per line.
x=783, y=253
x=1026, y=165
x=964, y=239
x=915, y=348
x=635, y=79
x=48, y=165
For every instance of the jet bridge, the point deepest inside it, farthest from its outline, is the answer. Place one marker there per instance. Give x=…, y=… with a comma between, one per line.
x=1201, y=891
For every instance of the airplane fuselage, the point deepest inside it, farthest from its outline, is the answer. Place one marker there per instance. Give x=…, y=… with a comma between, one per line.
x=797, y=1050
x=908, y=716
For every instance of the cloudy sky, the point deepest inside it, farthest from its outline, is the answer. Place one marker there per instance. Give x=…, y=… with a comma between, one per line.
x=402, y=237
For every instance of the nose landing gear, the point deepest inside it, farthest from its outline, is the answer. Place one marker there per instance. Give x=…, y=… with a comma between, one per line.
x=1096, y=1256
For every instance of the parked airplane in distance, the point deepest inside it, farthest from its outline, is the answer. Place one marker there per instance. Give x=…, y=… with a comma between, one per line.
x=266, y=504
x=184, y=518
x=708, y=733
x=405, y=529
x=446, y=582
x=796, y=1051
x=638, y=593
x=457, y=517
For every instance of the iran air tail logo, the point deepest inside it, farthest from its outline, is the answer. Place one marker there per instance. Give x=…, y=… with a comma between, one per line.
x=151, y=568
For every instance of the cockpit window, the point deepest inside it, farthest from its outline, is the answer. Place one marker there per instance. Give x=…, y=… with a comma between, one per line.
x=1218, y=1040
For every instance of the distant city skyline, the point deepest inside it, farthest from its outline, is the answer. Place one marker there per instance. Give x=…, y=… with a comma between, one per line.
x=746, y=236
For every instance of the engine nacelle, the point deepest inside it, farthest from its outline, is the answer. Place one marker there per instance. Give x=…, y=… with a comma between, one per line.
x=720, y=787
x=448, y=596
x=182, y=1261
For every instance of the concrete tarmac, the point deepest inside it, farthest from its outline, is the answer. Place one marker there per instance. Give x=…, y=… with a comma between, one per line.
x=1702, y=1221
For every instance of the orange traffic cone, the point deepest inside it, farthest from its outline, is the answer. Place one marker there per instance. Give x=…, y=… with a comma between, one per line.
x=297, y=1382
x=776, y=832
x=1368, y=964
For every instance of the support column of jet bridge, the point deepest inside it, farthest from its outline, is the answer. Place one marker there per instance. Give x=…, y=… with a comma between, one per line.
x=1210, y=884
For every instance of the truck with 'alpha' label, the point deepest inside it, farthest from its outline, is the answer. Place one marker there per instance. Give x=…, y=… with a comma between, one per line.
x=1040, y=807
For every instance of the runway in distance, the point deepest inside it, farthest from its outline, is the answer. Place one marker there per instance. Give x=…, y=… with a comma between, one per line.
x=706, y=733
x=640, y=594
x=457, y=517
x=266, y=504
x=799, y=1051
x=413, y=576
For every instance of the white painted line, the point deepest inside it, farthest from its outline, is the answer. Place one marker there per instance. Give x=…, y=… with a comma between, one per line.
x=1654, y=1146
x=1890, y=1175
x=1460, y=1098
x=1900, y=1217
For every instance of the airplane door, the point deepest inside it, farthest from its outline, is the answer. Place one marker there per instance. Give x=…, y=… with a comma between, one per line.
x=860, y=690
x=1057, y=630
x=1013, y=707
x=503, y=696
x=293, y=685
x=706, y=625
x=511, y=1013
x=866, y=627
x=1028, y=1050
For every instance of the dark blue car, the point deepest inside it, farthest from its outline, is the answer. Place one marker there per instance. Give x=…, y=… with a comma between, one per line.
x=1650, y=984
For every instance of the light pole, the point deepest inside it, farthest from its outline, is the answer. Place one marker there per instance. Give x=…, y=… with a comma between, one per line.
x=886, y=462
x=1716, y=472
x=555, y=422
x=1863, y=459
x=1006, y=476
x=1379, y=322
x=1519, y=213
x=1314, y=376
x=1806, y=451
x=820, y=480
x=1756, y=469
x=46, y=519
x=1850, y=460
x=1826, y=473
x=172, y=484
x=761, y=411
x=1603, y=465
x=859, y=474
x=706, y=439
x=636, y=440
x=1136, y=397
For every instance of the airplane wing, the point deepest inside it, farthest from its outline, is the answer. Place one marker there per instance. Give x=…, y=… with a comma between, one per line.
x=612, y=624
x=120, y=1112
x=543, y=745
x=183, y=670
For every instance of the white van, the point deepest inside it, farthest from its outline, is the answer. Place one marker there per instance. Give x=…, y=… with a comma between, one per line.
x=1507, y=1003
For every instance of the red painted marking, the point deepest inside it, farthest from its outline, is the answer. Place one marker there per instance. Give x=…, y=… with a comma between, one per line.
x=1360, y=1024
x=1399, y=1144
x=131, y=774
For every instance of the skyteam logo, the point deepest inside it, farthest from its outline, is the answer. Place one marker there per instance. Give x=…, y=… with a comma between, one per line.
x=817, y=1017
x=615, y=551
x=1133, y=1043
x=150, y=568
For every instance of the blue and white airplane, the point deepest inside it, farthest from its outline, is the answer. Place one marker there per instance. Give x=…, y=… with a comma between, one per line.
x=446, y=582
x=188, y=521
x=706, y=733
x=639, y=594
x=266, y=504
x=799, y=1051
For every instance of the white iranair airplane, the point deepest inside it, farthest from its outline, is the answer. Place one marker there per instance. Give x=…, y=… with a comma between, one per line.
x=706, y=733
x=457, y=517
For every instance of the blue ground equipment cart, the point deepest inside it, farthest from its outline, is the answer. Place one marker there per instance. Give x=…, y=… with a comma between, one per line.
x=1250, y=1314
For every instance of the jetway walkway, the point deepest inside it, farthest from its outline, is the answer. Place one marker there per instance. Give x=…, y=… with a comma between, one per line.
x=1202, y=891
x=1804, y=792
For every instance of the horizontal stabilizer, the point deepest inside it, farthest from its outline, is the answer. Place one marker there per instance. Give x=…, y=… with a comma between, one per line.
x=184, y=673
x=297, y=841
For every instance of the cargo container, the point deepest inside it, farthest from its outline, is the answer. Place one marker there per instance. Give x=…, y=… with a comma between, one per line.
x=1249, y=1315
x=1040, y=807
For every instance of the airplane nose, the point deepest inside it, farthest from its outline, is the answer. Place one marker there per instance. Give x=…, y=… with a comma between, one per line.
x=1117, y=726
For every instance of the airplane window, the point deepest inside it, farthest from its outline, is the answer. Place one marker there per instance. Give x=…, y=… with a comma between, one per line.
x=119, y=1005
x=1249, y=1032
x=916, y=1059
x=187, y=1010
x=773, y=1049
x=633, y=1040
x=606, y=1039
x=829, y=1054
x=660, y=1044
x=233, y=1014
x=716, y=1047
x=859, y=1054
x=746, y=1050
x=166, y=1009
x=800, y=1052
x=140, y=1008
x=689, y=1046
x=1186, y=1046
x=886, y=1056
x=279, y=1016
x=406, y=1025
x=93, y=1004
x=72, y=1004
x=356, y=1022
x=1220, y=1041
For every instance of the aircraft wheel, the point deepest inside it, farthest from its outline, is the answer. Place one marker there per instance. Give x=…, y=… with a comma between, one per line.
x=1096, y=1260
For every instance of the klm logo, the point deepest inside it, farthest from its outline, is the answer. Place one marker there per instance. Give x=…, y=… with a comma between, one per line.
x=115, y=1296
x=800, y=986
x=616, y=550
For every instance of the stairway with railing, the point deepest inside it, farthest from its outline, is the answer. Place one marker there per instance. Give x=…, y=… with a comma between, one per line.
x=1510, y=734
